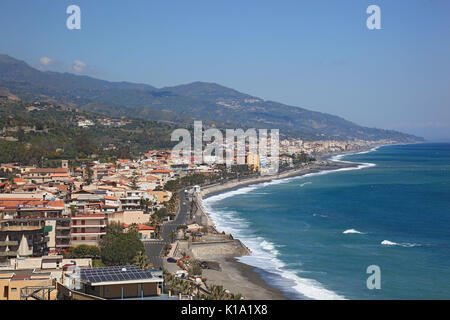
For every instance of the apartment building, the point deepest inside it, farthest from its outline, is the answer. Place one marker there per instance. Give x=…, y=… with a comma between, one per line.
x=32, y=212
x=22, y=241
x=43, y=175
x=129, y=217
x=87, y=228
x=132, y=200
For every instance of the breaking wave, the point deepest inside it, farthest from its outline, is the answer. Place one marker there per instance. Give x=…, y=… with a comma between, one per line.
x=352, y=231
x=264, y=253
x=405, y=244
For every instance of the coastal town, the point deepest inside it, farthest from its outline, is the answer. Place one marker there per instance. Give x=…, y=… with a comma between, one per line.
x=223, y=160
x=133, y=228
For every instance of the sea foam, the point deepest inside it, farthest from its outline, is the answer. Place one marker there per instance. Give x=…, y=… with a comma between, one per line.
x=352, y=231
x=405, y=244
x=304, y=184
x=264, y=253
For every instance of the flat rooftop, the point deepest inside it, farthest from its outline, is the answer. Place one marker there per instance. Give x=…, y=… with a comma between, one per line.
x=118, y=275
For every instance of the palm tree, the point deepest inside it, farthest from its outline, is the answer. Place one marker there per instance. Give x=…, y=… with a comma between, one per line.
x=155, y=222
x=237, y=296
x=197, y=286
x=133, y=227
x=218, y=293
x=141, y=260
x=167, y=248
x=185, y=287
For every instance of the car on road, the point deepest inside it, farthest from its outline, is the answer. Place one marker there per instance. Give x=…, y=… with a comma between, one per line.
x=172, y=260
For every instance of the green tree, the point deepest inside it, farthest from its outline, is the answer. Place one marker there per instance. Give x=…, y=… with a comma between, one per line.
x=120, y=248
x=89, y=174
x=167, y=247
x=195, y=270
x=141, y=260
x=114, y=228
x=84, y=251
x=83, y=144
x=21, y=135
x=161, y=213
x=134, y=181
x=172, y=185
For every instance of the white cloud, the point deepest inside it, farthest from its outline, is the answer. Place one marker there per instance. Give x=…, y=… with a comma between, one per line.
x=78, y=66
x=45, y=61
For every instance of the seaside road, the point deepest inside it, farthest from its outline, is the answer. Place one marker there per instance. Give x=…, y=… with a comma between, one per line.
x=155, y=249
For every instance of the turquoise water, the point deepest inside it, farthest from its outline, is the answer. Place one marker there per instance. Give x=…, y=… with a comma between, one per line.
x=394, y=210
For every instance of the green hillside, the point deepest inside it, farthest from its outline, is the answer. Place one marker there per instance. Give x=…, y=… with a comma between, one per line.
x=218, y=105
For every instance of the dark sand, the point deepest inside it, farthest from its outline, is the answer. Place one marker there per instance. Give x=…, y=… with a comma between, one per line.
x=241, y=278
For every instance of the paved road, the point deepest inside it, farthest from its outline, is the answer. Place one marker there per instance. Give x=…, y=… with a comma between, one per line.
x=155, y=249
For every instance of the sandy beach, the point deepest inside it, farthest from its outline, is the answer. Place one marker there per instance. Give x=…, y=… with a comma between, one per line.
x=242, y=278
x=208, y=191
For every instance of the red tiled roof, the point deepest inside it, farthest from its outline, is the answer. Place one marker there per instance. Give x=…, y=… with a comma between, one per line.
x=49, y=170
x=140, y=227
x=59, y=175
x=161, y=171
x=144, y=227
x=14, y=203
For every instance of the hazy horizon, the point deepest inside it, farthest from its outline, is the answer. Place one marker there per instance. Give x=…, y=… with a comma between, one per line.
x=316, y=55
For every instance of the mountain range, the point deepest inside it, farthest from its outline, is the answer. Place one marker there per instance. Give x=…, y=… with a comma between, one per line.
x=217, y=105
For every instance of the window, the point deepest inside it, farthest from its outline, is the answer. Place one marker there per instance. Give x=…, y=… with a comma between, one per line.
x=13, y=289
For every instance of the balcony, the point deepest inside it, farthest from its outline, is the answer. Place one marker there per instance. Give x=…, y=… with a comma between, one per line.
x=8, y=254
x=130, y=198
x=62, y=236
x=89, y=217
x=9, y=243
x=86, y=242
x=89, y=225
x=87, y=233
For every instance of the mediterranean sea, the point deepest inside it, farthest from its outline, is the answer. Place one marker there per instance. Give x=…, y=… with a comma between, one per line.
x=314, y=236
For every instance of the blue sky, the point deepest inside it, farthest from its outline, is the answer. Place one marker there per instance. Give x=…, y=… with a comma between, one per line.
x=314, y=54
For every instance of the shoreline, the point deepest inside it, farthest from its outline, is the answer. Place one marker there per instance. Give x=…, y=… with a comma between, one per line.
x=239, y=276
x=253, y=275
x=323, y=165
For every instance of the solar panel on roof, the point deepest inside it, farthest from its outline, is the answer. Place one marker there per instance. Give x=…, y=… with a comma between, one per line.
x=115, y=273
x=126, y=276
